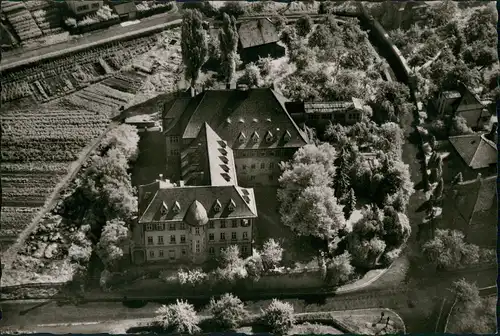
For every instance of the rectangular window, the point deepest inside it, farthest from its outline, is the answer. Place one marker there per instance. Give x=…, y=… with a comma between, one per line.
x=222, y=236
x=234, y=223
x=174, y=139
x=245, y=235
x=271, y=165
x=182, y=226
x=253, y=166
x=183, y=251
x=152, y=254
x=82, y=8
x=160, y=227
x=252, y=178
x=244, y=166
x=245, y=222
x=211, y=236
x=171, y=226
x=262, y=165
x=171, y=254
x=161, y=253
x=149, y=227
x=197, y=248
x=172, y=239
x=183, y=239
x=222, y=223
x=197, y=231
x=160, y=240
x=211, y=250
x=95, y=5
x=244, y=249
x=244, y=153
x=150, y=241
x=233, y=235
x=271, y=177
x=263, y=153
x=211, y=225
x=272, y=153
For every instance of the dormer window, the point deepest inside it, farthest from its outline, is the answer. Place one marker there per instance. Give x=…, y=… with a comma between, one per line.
x=242, y=137
x=241, y=120
x=254, y=120
x=164, y=209
x=217, y=206
x=177, y=207
x=231, y=206
x=228, y=120
x=287, y=136
x=269, y=137
x=255, y=137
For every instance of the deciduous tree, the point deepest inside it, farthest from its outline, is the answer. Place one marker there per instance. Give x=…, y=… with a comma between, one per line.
x=228, y=41
x=228, y=312
x=459, y=126
x=467, y=293
x=251, y=76
x=271, y=253
x=304, y=25
x=339, y=269
x=279, y=317
x=179, y=317
x=193, y=44
x=230, y=257
x=110, y=247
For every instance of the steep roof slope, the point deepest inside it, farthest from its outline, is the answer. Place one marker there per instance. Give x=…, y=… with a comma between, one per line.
x=257, y=32
x=475, y=150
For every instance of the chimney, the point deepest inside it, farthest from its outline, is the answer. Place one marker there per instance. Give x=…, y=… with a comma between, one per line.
x=161, y=177
x=181, y=183
x=479, y=176
x=192, y=91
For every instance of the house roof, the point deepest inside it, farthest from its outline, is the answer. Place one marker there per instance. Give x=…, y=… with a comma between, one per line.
x=257, y=32
x=475, y=197
x=213, y=158
x=124, y=7
x=475, y=150
x=193, y=202
x=231, y=113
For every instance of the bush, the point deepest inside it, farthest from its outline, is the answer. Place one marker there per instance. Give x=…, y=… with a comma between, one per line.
x=254, y=267
x=71, y=22
x=228, y=312
x=459, y=126
x=279, y=317
x=251, y=76
x=304, y=25
x=339, y=269
x=191, y=277
x=179, y=317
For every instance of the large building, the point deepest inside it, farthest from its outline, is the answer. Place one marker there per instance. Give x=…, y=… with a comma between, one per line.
x=254, y=123
x=193, y=221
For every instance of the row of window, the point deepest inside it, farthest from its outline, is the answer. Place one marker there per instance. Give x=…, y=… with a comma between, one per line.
x=211, y=237
x=261, y=153
x=223, y=223
x=171, y=253
x=174, y=152
x=252, y=177
x=253, y=166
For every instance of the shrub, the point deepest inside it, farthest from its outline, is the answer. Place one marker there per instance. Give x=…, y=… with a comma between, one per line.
x=459, y=126
x=304, y=25
x=279, y=317
x=191, y=277
x=339, y=269
x=467, y=293
x=71, y=22
x=271, y=254
x=79, y=254
x=228, y=312
x=251, y=76
x=265, y=65
x=179, y=317
x=254, y=267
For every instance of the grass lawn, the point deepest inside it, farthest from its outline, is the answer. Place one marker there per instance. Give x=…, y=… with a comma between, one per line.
x=297, y=248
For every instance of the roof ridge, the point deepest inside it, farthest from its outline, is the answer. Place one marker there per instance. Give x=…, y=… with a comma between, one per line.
x=274, y=94
x=204, y=93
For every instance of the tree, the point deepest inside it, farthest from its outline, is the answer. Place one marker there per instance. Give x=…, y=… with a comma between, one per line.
x=228, y=39
x=342, y=183
x=459, y=126
x=251, y=76
x=179, y=317
x=279, y=317
x=339, y=269
x=366, y=253
x=391, y=102
x=304, y=25
x=288, y=36
x=228, y=312
x=302, y=56
x=396, y=228
x=443, y=13
x=271, y=254
x=230, y=257
x=279, y=22
x=193, y=44
x=254, y=267
x=110, y=246
x=349, y=204
x=466, y=292
x=316, y=213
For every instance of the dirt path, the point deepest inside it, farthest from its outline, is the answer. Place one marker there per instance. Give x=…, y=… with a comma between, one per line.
x=9, y=255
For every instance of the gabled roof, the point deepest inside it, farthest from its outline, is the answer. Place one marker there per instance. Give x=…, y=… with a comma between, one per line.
x=231, y=112
x=124, y=7
x=257, y=32
x=475, y=150
x=150, y=211
x=475, y=196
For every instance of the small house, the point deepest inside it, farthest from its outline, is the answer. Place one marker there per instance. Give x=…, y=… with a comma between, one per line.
x=464, y=103
x=125, y=9
x=81, y=8
x=258, y=38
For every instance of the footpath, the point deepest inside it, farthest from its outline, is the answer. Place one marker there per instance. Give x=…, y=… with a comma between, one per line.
x=157, y=23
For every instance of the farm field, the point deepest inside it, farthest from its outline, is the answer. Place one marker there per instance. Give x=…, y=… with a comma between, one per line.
x=37, y=148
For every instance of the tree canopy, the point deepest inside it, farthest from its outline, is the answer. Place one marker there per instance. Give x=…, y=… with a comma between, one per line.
x=193, y=44
x=228, y=311
x=228, y=42
x=110, y=247
x=279, y=317
x=271, y=253
x=178, y=317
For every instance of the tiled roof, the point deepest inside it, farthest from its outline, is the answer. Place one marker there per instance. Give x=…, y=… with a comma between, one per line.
x=206, y=196
x=174, y=113
x=212, y=156
x=474, y=197
x=475, y=150
x=232, y=112
x=257, y=32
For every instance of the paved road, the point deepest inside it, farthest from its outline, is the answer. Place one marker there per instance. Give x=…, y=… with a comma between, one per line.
x=15, y=56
